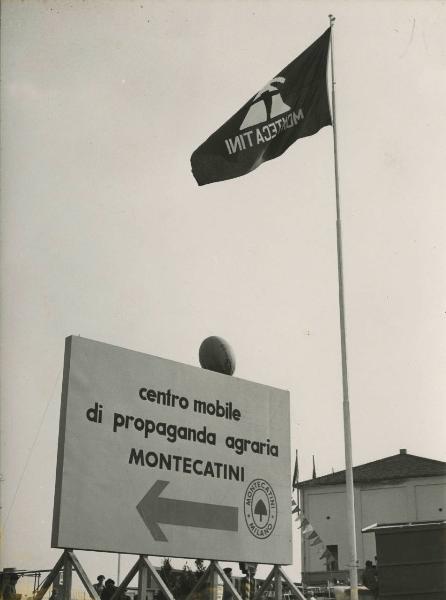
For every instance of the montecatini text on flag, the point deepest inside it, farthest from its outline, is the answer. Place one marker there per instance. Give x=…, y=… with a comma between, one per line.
x=292, y=105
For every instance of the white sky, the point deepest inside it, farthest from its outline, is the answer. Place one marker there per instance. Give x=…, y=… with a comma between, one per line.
x=105, y=233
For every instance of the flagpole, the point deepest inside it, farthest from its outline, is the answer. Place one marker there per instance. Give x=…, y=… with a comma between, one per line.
x=353, y=560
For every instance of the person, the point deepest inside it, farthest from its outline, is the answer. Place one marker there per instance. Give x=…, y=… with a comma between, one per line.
x=54, y=593
x=109, y=589
x=370, y=578
x=8, y=591
x=99, y=586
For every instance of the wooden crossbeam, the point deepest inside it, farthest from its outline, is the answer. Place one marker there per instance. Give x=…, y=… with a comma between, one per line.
x=205, y=576
x=50, y=578
x=265, y=585
x=291, y=585
x=157, y=578
x=227, y=582
x=82, y=575
x=127, y=579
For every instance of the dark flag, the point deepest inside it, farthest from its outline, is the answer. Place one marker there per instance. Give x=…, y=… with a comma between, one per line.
x=293, y=105
x=314, y=468
x=296, y=474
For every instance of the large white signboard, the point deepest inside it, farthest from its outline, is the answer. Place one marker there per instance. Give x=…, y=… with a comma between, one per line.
x=161, y=458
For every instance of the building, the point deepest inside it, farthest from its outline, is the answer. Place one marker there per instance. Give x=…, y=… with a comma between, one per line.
x=399, y=488
x=411, y=559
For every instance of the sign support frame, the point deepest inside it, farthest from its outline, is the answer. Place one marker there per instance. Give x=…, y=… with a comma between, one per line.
x=68, y=562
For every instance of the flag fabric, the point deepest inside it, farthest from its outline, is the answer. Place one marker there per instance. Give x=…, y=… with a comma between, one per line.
x=326, y=554
x=314, y=468
x=306, y=531
x=296, y=473
x=292, y=105
x=311, y=535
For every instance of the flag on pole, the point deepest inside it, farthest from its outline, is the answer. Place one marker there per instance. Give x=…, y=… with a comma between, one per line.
x=314, y=468
x=296, y=473
x=292, y=105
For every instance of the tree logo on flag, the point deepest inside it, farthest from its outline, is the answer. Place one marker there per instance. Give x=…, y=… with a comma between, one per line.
x=266, y=104
x=260, y=507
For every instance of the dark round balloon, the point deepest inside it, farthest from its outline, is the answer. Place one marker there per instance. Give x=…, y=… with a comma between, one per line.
x=216, y=354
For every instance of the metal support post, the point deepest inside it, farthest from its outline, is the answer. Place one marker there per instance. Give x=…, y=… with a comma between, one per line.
x=277, y=583
x=142, y=579
x=67, y=576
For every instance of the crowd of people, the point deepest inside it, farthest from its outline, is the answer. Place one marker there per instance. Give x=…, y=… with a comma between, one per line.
x=105, y=588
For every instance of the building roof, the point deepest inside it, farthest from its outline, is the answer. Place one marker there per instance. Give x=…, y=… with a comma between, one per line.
x=398, y=466
x=405, y=527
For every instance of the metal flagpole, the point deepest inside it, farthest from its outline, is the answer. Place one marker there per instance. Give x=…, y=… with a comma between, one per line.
x=353, y=560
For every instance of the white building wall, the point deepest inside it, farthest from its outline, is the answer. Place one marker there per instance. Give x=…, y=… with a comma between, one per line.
x=420, y=499
x=326, y=511
x=429, y=498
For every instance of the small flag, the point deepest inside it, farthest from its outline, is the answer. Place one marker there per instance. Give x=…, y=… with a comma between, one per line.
x=317, y=540
x=292, y=105
x=326, y=554
x=313, y=535
x=304, y=523
x=296, y=473
x=307, y=529
x=314, y=468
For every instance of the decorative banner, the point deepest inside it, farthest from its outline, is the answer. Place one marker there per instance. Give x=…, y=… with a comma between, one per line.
x=311, y=535
x=308, y=529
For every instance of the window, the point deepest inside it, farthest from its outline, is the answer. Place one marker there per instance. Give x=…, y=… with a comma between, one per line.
x=332, y=561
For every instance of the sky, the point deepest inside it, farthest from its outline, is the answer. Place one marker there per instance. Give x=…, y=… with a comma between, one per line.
x=105, y=233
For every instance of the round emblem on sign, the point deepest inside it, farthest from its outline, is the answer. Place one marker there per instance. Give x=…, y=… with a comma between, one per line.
x=260, y=508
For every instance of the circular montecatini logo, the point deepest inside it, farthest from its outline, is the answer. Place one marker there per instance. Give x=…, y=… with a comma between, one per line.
x=260, y=508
